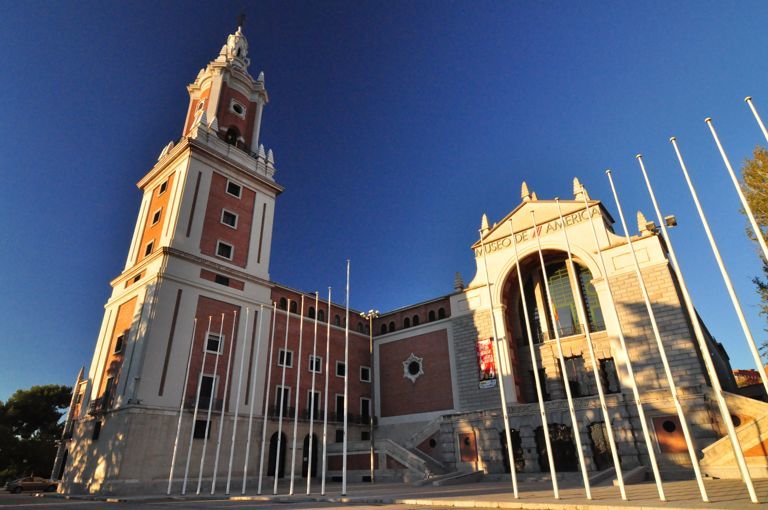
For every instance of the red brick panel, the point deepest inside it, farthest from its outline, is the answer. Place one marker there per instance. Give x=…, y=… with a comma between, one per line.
x=227, y=118
x=214, y=230
x=211, y=277
x=432, y=391
x=152, y=232
x=422, y=311
x=193, y=109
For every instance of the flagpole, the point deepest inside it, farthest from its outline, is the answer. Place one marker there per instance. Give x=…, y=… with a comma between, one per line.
x=181, y=407
x=595, y=370
x=237, y=402
x=649, y=445
x=499, y=374
x=744, y=203
x=211, y=403
x=223, y=403
x=566, y=385
x=705, y=354
x=312, y=393
x=325, y=395
x=346, y=389
x=265, y=415
x=296, y=397
x=252, y=393
x=281, y=404
x=535, y=365
x=723, y=271
x=662, y=351
x=197, y=404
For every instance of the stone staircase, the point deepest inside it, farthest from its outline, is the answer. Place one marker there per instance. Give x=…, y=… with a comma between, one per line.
x=718, y=460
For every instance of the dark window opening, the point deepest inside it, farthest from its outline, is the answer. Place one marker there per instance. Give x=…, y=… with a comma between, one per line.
x=336, y=320
x=119, y=344
x=231, y=136
x=391, y=326
x=294, y=307
x=415, y=320
x=283, y=303
x=341, y=369
x=414, y=367
x=406, y=323
x=221, y=280
x=96, y=430
x=163, y=187
x=229, y=218
x=234, y=189
x=383, y=329
x=311, y=312
x=441, y=313
x=200, y=428
x=431, y=315
x=339, y=435
x=206, y=391
x=321, y=316
x=608, y=376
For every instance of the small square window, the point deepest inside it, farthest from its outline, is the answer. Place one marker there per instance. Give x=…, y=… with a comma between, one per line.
x=285, y=358
x=214, y=343
x=200, y=426
x=365, y=374
x=365, y=435
x=156, y=216
x=234, y=189
x=148, y=249
x=163, y=187
x=339, y=435
x=224, y=250
x=315, y=364
x=229, y=218
x=119, y=344
x=137, y=278
x=341, y=369
x=221, y=280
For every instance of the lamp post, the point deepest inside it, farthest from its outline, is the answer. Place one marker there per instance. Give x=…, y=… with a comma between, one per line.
x=370, y=315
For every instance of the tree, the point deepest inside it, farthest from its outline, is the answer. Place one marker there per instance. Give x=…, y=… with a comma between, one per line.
x=29, y=429
x=754, y=175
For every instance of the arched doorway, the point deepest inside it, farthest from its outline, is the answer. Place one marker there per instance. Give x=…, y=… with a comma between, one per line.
x=601, y=452
x=306, y=457
x=273, y=456
x=563, y=448
x=517, y=450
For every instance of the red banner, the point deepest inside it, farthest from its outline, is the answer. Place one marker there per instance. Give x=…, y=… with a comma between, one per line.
x=486, y=363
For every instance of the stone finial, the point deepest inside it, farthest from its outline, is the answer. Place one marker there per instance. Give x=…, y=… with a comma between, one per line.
x=262, y=154
x=458, y=282
x=261, y=77
x=484, y=223
x=524, y=193
x=270, y=156
x=579, y=191
x=166, y=150
x=645, y=226
x=214, y=124
x=534, y=197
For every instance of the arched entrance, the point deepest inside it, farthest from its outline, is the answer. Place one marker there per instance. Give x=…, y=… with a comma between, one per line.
x=601, y=451
x=517, y=450
x=563, y=448
x=306, y=457
x=273, y=456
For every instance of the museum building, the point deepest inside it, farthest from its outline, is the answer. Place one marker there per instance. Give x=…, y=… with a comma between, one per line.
x=196, y=328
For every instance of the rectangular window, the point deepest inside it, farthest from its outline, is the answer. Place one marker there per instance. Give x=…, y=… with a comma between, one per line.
x=96, y=430
x=214, y=344
x=575, y=368
x=339, y=435
x=200, y=426
x=365, y=435
x=341, y=369
x=109, y=389
x=163, y=187
x=221, y=280
x=365, y=374
x=149, y=247
x=313, y=397
x=608, y=376
x=283, y=394
x=137, y=278
x=207, y=391
x=224, y=250
x=229, y=218
x=119, y=344
x=339, y=407
x=365, y=409
x=234, y=189
x=285, y=358
x=542, y=382
x=315, y=364
x=156, y=216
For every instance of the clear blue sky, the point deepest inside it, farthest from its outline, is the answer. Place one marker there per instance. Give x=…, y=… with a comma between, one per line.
x=395, y=125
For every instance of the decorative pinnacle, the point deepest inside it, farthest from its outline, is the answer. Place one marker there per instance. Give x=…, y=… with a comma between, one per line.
x=458, y=282
x=484, y=223
x=525, y=194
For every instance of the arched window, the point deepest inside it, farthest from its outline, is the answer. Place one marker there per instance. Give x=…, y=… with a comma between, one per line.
x=321, y=316
x=232, y=135
x=441, y=313
x=294, y=307
x=391, y=326
x=591, y=302
x=360, y=327
x=283, y=303
x=407, y=323
x=431, y=315
x=336, y=320
x=383, y=329
x=311, y=312
x=415, y=320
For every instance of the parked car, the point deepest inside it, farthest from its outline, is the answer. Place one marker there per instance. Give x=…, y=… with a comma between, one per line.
x=31, y=483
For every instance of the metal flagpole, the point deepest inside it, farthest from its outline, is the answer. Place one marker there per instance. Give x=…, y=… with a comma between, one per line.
x=649, y=445
x=312, y=393
x=211, y=403
x=237, y=401
x=499, y=374
x=715, y=381
x=748, y=100
x=197, y=405
x=723, y=272
x=662, y=350
x=281, y=404
x=535, y=365
x=599, y=383
x=181, y=407
x=265, y=415
x=296, y=398
x=747, y=209
x=325, y=394
x=223, y=404
x=566, y=385
x=252, y=393
x=346, y=390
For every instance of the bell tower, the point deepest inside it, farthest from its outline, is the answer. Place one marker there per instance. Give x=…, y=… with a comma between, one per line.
x=200, y=248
